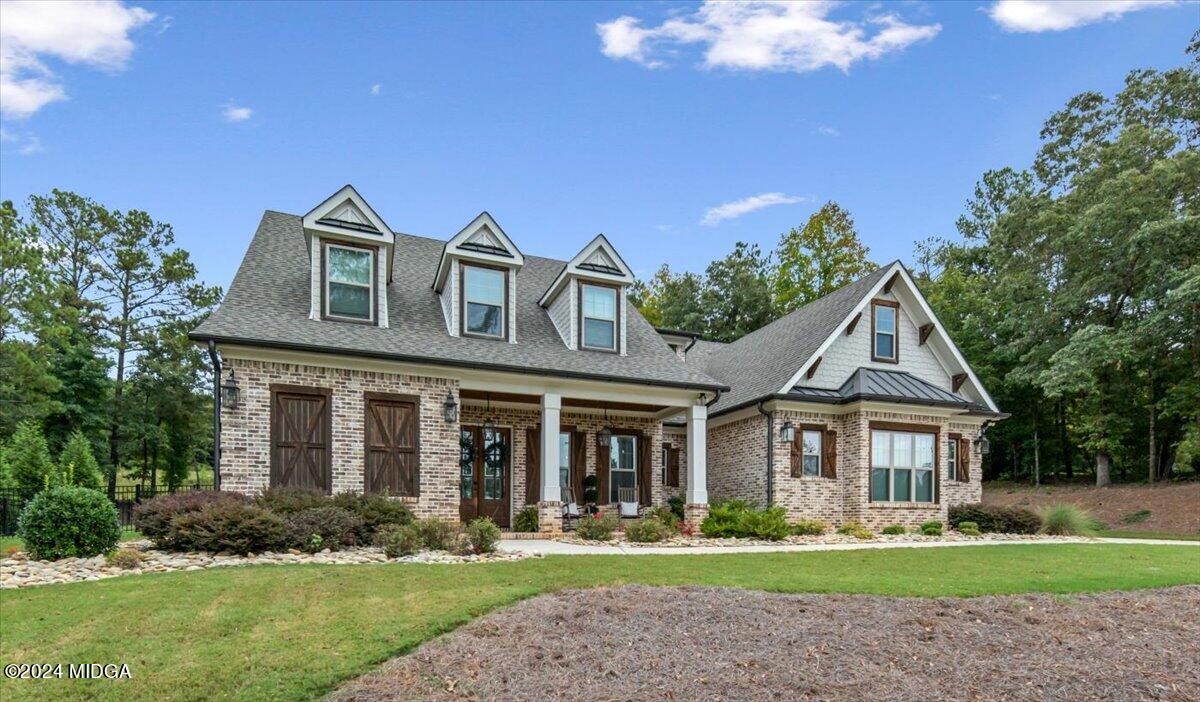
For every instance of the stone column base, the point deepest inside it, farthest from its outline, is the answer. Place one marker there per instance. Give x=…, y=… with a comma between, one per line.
x=550, y=518
x=694, y=514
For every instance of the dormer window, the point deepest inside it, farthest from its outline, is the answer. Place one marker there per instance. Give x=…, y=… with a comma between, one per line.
x=598, y=317
x=484, y=295
x=349, y=284
x=884, y=318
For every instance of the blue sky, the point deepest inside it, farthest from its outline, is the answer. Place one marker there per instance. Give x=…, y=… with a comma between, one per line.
x=205, y=114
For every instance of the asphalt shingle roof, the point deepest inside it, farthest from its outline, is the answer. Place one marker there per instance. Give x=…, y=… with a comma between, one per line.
x=268, y=305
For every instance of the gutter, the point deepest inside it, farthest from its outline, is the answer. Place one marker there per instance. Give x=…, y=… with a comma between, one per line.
x=859, y=398
x=216, y=391
x=770, y=452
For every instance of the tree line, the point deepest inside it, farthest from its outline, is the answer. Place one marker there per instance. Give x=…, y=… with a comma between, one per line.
x=95, y=306
x=1072, y=286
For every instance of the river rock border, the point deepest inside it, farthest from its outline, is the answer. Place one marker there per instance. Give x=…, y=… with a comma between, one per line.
x=18, y=570
x=686, y=541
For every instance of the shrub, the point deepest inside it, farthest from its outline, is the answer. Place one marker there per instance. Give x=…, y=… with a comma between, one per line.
x=482, y=535
x=676, y=504
x=665, y=516
x=768, y=524
x=374, y=511
x=436, y=534
x=289, y=500
x=323, y=527
x=893, y=529
x=855, y=529
x=78, y=461
x=969, y=529
x=647, y=531
x=735, y=518
x=724, y=519
x=526, y=520
x=932, y=528
x=1136, y=517
x=809, y=527
x=1066, y=520
x=125, y=559
x=996, y=519
x=598, y=527
x=29, y=459
x=237, y=527
x=398, y=540
x=65, y=522
x=153, y=517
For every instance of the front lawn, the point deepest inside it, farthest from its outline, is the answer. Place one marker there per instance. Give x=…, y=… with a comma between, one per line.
x=1122, y=534
x=295, y=632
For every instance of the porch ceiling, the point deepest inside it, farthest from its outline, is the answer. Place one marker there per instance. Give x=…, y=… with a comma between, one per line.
x=535, y=400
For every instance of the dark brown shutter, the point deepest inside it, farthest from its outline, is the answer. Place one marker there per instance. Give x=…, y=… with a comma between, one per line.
x=533, y=473
x=392, y=452
x=602, y=473
x=578, y=465
x=798, y=454
x=829, y=455
x=301, y=430
x=672, y=467
x=964, y=461
x=645, y=475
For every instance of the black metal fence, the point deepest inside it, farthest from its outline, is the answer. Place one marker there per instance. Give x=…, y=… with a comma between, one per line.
x=124, y=499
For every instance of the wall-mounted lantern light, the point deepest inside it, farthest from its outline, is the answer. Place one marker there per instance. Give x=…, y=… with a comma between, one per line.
x=604, y=436
x=450, y=408
x=489, y=426
x=787, y=432
x=230, y=392
x=982, y=446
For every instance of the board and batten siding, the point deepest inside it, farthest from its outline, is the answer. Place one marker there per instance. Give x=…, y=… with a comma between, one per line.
x=849, y=353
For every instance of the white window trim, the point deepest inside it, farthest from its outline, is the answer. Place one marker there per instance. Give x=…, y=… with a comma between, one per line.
x=891, y=469
x=369, y=286
x=467, y=301
x=613, y=454
x=951, y=459
x=804, y=454
x=894, y=333
x=584, y=317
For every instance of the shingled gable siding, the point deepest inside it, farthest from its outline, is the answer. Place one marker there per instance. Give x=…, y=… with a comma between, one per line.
x=521, y=419
x=848, y=353
x=246, y=431
x=562, y=314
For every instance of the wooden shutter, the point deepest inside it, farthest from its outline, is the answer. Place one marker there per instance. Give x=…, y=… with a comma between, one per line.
x=533, y=473
x=602, y=473
x=672, y=466
x=829, y=454
x=392, y=454
x=578, y=464
x=964, y=461
x=798, y=454
x=644, y=474
x=301, y=428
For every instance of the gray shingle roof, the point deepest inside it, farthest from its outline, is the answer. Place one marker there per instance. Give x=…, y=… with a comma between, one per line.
x=268, y=304
x=761, y=362
x=886, y=386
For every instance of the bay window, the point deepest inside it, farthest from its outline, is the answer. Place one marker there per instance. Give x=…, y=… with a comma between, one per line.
x=484, y=297
x=902, y=466
x=884, y=336
x=349, y=282
x=598, y=313
x=622, y=465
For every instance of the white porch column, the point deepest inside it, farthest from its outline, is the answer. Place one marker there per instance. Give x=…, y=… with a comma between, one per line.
x=697, y=458
x=551, y=407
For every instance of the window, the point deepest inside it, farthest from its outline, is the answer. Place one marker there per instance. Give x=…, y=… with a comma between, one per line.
x=622, y=465
x=884, y=315
x=564, y=463
x=349, y=289
x=952, y=458
x=810, y=453
x=599, y=313
x=483, y=301
x=902, y=466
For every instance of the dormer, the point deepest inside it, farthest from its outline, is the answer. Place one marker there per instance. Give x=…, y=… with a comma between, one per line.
x=586, y=301
x=476, y=281
x=350, y=257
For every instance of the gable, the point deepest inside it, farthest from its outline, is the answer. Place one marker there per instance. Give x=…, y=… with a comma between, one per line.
x=483, y=241
x=348, y=213
x=345, y=214
x=597, y=261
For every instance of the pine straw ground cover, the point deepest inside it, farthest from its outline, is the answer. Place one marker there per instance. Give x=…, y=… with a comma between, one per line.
x=637, y=642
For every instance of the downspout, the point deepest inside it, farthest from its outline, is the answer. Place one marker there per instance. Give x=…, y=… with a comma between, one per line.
x=770, y=452
x=216, y=391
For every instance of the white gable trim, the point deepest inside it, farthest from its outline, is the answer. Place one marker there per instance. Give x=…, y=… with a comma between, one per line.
x=598, y=260
x=473, y=242
x=956, y=362
x=347, y=200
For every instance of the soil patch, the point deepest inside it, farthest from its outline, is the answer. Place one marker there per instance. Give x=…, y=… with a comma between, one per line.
x=637, y=642
x=1173, y=507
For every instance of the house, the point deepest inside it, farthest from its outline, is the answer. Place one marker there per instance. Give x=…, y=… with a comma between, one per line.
x=467, y=379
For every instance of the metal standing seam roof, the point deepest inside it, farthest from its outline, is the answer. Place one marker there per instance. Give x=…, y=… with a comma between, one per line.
x=886, y=386
x=268, y=305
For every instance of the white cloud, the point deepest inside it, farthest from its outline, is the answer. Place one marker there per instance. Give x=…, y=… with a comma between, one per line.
x=828, y=131
x=93, y=33
x=1053, y=16
x=376, y=88
x=764, y=35
x=737, y=208
x=26, y=144
x=236, y=113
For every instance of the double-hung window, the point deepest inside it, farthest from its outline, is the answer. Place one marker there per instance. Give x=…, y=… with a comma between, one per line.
x=902, y=466
x=884, y=337
x=622, y=465
x=599, y=317
x=810, y=452
x=349, y=288
x=483, y=301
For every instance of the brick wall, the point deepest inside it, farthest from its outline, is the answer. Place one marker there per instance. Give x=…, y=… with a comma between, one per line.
x=737, y=460
x=677, y=437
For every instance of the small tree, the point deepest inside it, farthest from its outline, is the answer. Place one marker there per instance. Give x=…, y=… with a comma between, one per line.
x=30, y=459
x=78, y=462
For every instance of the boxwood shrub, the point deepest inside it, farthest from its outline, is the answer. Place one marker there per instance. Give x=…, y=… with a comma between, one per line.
x=69, y=522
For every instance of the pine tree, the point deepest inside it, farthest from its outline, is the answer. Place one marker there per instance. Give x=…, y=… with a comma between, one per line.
x=78, y=461
x=30, y=459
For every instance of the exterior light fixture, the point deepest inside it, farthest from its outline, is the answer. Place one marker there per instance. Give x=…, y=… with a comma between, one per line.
x=450, y=408
x=230, y=392
x=787, y=432
x=604, y=436
x=982, y=446
x=489, y=426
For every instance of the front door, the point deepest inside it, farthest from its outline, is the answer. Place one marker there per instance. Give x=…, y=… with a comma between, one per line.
x=483, y=473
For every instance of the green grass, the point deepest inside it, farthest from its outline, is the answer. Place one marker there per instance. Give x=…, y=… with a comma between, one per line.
x=1124, y=534
x=296, y=632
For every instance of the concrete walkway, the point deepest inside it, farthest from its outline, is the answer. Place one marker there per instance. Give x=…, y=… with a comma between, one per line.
x=547, y=547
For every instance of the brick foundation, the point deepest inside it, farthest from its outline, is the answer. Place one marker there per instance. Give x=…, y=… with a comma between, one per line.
x=550, y=520
x=693, y=514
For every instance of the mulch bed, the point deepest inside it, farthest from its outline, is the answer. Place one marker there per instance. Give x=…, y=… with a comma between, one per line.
x=636, y=642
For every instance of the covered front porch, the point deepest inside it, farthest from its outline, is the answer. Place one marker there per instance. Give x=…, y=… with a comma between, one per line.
x=589, y=447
